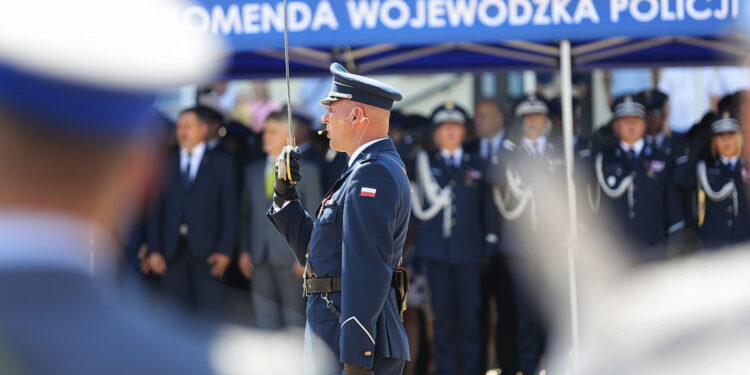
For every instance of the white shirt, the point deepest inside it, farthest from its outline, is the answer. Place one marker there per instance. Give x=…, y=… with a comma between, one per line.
x=39, y=239
x=489, y=146
x=637, y=147
x=362, y=148
x=535, y=147
x=454, y=157
x=196, y=155
x=729, y=161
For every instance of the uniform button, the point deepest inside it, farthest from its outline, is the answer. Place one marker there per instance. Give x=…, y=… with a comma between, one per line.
x=631, y=214
x=368, y=353
x=453, y=221
x=729, y=223
x=729, y=209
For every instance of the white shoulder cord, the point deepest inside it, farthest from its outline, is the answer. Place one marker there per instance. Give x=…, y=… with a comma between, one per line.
x=437, y=198
x=519, y=192
x=626, y=185
x=717, y=196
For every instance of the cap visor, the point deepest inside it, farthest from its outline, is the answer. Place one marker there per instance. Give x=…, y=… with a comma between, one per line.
x=328, y=100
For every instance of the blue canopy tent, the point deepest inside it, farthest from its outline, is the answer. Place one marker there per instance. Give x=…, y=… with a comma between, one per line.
x=400, y=36
x=422, y=36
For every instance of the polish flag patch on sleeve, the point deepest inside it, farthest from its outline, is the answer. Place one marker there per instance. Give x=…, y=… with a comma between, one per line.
x=368, y=192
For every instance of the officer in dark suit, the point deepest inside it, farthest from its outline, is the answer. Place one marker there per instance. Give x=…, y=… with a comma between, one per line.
x=193, y=224
x=496, y=285
x=353, y=244
x=451, y=239
x=720, y=176
x=635, y=180
x=84, y=109
x=520, y=171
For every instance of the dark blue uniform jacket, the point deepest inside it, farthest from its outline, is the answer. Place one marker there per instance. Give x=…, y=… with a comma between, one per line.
x=357, y=234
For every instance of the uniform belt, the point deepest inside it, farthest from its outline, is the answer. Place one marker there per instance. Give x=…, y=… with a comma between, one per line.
x=320, y=285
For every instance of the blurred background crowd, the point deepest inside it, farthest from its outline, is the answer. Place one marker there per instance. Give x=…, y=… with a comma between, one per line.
x=663, y=158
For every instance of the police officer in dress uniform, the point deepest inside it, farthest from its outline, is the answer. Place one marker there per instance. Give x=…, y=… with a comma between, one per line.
x=635, y=180
x=450, y=239
x=519, y=171
x=720, y=179
x=352, y=246
x=77, y=89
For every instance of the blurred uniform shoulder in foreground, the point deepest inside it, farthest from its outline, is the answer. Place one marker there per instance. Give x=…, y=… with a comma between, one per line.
x=78, y=82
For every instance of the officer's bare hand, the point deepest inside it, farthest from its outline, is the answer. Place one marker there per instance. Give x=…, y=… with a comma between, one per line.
x=154, y=263
x=298, y=270
x=357, y=370
x=284, y=189
x=246, y=265
x=220, y=262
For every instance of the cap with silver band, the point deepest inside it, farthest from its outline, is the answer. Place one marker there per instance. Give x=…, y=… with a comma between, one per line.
x=361, y=89
x=725, y=124
x=449, y=112
x=626, y=106
x=532, y=106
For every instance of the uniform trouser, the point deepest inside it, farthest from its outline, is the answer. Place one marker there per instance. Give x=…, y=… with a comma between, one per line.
x=277, y=297
x=188, y=283
x=455, y=304
x=497, y=284
x=530, y=332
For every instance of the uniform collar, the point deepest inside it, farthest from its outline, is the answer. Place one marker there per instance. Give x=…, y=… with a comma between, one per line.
x=454, y=156
x=729, y=161
x=359, y=150
x=637, y=147
x=541, y=144
x=67, y=242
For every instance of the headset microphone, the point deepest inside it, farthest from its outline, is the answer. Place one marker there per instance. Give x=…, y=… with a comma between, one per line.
x=339, y=123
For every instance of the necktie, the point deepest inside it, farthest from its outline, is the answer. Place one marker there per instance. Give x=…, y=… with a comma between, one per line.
x=631, y=154
x=186, y=172
x=270, y=179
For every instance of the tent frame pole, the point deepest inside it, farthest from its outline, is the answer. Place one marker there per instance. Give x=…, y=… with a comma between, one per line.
x=566, y=79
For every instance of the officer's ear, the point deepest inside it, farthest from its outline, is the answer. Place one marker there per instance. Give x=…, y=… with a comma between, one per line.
x=358, y=115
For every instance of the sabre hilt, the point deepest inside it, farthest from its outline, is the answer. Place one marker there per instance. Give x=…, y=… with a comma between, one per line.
x=287, y=165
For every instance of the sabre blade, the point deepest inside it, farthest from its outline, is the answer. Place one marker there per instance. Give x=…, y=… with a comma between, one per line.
x=290, y=139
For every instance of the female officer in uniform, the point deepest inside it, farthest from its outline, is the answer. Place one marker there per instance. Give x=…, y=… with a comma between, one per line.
x=720, y=179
